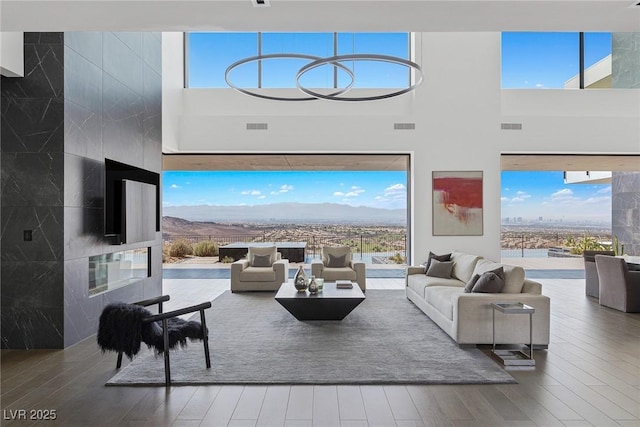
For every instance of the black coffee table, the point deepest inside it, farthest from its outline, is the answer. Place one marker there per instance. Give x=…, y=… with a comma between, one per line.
x=330, y=304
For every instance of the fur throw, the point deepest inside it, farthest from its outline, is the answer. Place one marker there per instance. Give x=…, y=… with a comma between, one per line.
x=121, y=329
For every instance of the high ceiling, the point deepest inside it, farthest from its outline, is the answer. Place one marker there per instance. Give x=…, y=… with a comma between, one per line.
x=320, y=15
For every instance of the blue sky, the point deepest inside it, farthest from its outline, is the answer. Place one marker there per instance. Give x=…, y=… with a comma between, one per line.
x=385, y=190
x=208, y=61
x=534, y=194
x=547, y=60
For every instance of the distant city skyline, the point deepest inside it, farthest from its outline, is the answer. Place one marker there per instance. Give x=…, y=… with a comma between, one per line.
x=534, y=194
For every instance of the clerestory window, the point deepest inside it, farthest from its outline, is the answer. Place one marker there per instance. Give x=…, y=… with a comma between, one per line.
x=208, y=55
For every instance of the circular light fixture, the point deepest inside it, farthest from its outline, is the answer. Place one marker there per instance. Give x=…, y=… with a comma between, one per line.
x=285, y=56
x=336, y=62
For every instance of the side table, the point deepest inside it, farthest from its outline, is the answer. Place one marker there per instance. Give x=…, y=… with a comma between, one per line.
x=514, y=357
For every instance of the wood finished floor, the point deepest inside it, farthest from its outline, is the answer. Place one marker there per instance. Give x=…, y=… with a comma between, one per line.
x=590, y=376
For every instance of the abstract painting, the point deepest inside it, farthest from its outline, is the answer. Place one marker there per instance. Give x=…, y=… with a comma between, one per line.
x=457, y=203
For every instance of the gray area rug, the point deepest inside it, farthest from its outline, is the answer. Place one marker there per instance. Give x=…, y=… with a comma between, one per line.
x=254, y=340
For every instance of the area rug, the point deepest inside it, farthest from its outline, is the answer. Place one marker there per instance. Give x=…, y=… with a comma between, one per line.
x=254, y=340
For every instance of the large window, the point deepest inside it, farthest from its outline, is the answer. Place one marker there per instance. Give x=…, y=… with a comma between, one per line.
x=538, y=60
x=209, y=54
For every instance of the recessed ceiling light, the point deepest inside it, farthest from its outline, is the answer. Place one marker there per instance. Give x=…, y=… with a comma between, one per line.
x=260, y=3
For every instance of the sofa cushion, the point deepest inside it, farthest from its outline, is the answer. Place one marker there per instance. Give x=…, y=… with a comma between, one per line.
x=488, y=282
x=419, y=282
x=334, y=261
x=262, y=250
x=463, y=265
x=513, y=275
x=471, y=283
x=444, y=257
x=442, y=297
x=336, y=251
x=330, y=274
x=261, y=260
x=258, y=274
x=440, y=269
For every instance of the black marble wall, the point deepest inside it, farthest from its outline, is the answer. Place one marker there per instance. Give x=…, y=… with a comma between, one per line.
x=32, y=195
x=85, y=97
x=112, y=109
x=625, y=210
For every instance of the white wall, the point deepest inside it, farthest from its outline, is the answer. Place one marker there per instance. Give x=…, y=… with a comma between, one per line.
x=12, y=54
x=457, y=110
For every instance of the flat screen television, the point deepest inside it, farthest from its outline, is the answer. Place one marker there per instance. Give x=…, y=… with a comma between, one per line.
x=131, y=203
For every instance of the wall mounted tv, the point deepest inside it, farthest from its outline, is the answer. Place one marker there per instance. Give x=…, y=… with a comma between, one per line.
x=131, y=203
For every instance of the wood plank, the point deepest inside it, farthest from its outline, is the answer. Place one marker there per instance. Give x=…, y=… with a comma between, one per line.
x=274, y=407
x=300, y=406
x=325, y=406
x=350, y=403
x=377, y=406
x=220, y=412
x=250, y=403
x=401, y=404
x=199, y=404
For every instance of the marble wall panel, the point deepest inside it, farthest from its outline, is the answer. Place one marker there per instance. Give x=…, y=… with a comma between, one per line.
x=83, y=182
x=83, y=131
x=152, y=50
x=32, y=125
x=122, y=135
x=83, y=232
x=83, y=81
x=32, y=284
x=46, y=224
x=625, y=211
x=32, y=179
x=133, y=40
x=87, y=44
x=32, y=327
x=121, y=62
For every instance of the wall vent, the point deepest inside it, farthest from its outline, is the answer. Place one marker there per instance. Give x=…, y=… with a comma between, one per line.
x=257, y=126
x=260, y=3
x=404, y=126
x=511, y=126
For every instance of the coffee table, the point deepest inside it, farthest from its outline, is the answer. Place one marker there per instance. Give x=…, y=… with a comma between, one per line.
x=330, y=304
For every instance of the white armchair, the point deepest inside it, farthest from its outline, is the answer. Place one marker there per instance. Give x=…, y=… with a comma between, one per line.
x=263, y=269
x=338, y=264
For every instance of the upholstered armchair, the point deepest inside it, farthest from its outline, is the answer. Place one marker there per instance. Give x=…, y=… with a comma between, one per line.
x=592, y=284
x=337, y=264
x=263, y=269
x=619, y=287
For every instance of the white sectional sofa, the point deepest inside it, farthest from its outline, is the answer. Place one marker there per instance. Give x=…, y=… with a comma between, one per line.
x=467, y=317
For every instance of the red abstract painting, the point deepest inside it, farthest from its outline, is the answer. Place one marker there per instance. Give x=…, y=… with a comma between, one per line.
x=457, y=203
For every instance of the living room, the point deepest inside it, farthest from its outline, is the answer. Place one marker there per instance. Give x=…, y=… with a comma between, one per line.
x=457, y=111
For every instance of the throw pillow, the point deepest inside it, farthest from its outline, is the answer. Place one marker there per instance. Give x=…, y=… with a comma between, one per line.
x=261, y=261
x=471, y=283
x=336, y=261
x=440, y=269
x=445, y=257
x=488, y=282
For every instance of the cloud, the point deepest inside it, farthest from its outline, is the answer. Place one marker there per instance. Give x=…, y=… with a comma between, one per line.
x=521, y=197
x=174, y=186
x=285, y=188
x=562, y=195
x=262, y=197
x=396, y=191
x=606, y=190
x=597, y=200
x=251, y=193
x=504, y=199
x=355, y=192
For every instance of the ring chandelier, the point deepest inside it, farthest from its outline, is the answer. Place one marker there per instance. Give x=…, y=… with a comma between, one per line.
x=336, y=62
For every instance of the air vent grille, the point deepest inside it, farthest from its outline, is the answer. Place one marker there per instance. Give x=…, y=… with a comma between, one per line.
x=257, y=126
x=511, y=126
x=260, y=3
x=404, y=126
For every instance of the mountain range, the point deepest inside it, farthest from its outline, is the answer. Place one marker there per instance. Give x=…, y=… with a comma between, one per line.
x=298, y=213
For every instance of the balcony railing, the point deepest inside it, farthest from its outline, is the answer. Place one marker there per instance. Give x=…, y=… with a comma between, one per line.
x=372, y=248
x=541, y=245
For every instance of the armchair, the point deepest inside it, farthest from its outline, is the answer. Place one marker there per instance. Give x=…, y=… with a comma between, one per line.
x=619, y=287
x=123, y=327
x=337, y=264
x=263, y=269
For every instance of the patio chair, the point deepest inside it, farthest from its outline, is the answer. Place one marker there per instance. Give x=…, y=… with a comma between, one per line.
x=337, y=264
x=619, y=287
x=124, y=326
x=592, y=284
x=263, y=269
